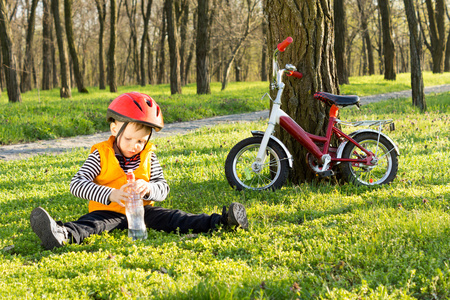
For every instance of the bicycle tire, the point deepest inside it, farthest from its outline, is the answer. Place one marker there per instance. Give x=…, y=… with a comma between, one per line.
x=238, y=166
x=383, y=172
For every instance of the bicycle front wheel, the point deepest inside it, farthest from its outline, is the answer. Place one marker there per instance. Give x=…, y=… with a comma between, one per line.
x=382, y=172
x=273, y=171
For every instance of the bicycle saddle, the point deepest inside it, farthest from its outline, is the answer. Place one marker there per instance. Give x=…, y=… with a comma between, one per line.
x=337, y=99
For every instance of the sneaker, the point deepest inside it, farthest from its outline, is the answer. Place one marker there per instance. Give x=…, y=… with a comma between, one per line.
x=51, y=234
x=235, y=217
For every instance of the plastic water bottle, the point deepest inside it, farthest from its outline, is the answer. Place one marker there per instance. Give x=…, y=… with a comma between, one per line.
x=134, y=209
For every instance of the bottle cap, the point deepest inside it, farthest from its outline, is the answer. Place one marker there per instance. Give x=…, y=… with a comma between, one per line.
x=130, y=176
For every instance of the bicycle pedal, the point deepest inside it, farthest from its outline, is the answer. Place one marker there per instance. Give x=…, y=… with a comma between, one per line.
x=324, y=174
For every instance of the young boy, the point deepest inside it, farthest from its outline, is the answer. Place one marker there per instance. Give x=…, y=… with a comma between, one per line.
x=102, y=180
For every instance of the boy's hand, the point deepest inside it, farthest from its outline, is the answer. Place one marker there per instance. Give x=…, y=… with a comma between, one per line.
x=141, y=187
x=120, y=195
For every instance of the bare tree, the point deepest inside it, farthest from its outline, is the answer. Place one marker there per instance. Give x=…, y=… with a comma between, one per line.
x=418, y=96
x=174, y=47
x=101, y=9
x=340, y=39
x=204, y=19
x=9, y=60
x=184, y=20
x=161, y=54
x=363, y=7
x=250, y=24
x=436, y=24
x=65, y=91
x=25, y=84
x=46, y=46
x=311, y=27
x=146, y=12
x=131, y=9
x=388, y=44
x=71, y=43
x=112, y=49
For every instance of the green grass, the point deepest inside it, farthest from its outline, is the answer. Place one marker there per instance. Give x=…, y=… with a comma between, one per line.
x=305, y=241
x=375, y=84
x=43, y=115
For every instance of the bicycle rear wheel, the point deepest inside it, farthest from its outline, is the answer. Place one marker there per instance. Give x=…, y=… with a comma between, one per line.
x=386, y=167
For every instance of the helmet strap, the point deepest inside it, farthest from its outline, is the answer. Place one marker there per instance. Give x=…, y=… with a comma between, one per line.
x=119, y=133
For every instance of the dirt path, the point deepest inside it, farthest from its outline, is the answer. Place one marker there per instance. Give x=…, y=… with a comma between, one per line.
x=22, y=151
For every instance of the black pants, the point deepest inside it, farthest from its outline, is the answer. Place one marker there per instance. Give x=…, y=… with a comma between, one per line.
x=157, y=218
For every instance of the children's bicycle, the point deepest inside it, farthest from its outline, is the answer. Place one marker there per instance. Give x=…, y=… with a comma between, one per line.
x=364, y=157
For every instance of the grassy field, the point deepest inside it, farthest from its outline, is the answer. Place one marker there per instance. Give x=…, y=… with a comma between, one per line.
x=305, y=241
x=43, y=115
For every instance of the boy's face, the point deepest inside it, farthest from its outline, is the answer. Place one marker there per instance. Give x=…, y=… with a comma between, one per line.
x=132, y=140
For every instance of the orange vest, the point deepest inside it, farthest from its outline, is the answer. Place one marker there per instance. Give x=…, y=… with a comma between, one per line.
x=112, y=175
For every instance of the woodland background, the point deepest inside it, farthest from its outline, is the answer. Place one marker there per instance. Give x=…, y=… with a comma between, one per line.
x=229, y=39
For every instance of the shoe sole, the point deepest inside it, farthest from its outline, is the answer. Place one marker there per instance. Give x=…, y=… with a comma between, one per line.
x=237, y=215
x=42, y=224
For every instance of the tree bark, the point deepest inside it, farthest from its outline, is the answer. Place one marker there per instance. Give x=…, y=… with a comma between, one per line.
x=72, y=50
x=112, y=50
x=366, y=36
x=146, y=16
x=437, y=33
x=27, y=68
x=388, y=44
x=9, y=60
x=131, y=13
x=340, y=24
x=46, y=83
x=203, y=47
x=161, y=56
x=65, y=91
x=183, y=38
x=101, y=9
x=264, y=50
x=311, y=27
x=174, y=48
x=418, y=95
x=151, y=77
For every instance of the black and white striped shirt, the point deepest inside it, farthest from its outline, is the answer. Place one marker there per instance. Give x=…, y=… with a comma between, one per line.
x=83, y=186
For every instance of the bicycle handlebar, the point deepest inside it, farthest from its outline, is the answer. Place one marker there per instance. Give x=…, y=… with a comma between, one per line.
x=295, y=74
x=282, y=46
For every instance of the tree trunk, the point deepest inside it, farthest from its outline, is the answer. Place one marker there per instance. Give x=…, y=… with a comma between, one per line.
x=112, y=50
x=65, y=91
x=25, y=83
x=366, y=35
x=131, y=13
x=437, y=33
x=46, y=47
x=71, y=44
x=340, y=24
x=174, y=48
x=183, y=39
x=151, y=72
x=264, y=51
x=9, y=60
x=101, y=8
x=146, y=16
x=388, y=44
x=418, y=96
x=311, y=27
x=447, y=55
x=203, y=47
x=162, y=58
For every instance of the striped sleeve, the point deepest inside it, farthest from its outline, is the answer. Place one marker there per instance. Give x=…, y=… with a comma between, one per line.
x=159, y=189
x=82, y=184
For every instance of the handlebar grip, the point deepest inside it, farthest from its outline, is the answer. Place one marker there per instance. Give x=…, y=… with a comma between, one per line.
x=282, y=46
x=295, y=74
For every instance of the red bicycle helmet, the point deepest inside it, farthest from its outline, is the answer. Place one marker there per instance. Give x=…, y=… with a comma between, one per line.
x=136, y=107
